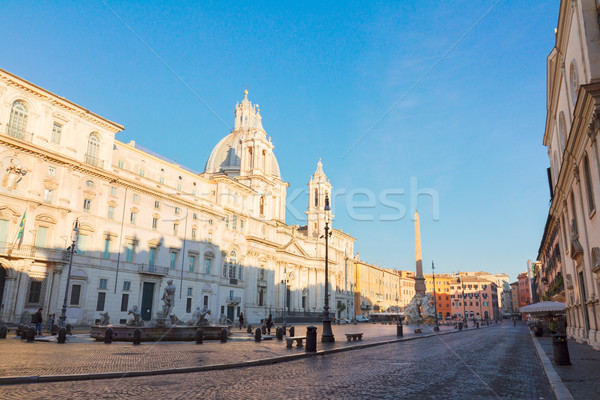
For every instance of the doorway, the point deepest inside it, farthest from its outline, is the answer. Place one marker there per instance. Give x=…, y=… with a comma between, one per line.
x=230, y=311
x=147, y=297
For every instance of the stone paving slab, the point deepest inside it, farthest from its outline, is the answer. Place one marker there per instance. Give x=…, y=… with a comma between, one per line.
x=476, y=364
x=48, y=358
x=582, y=377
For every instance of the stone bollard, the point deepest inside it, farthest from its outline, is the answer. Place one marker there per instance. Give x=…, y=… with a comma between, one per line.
x=284, y=329
x=263, y=329
x=199, y=335
x=292, y=331
x=108, y=336
x=311, y=339
x=3, y=332
x=279, y=333
x=257, y=335
x=62, y=335
x=31, y=334
x=399, y=330
x=69, y=329
x=24, y=331
x=223, y=335
x=137, y=336
x=249, y=329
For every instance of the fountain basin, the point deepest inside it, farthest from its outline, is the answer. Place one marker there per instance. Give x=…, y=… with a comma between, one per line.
x=124, y=333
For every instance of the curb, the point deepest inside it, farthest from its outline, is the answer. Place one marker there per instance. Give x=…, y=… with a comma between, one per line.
x=13, y=380
x=558, y=387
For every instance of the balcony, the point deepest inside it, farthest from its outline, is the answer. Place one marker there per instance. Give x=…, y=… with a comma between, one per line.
x=262, y=283
x=19, y=134
x=93, y=160
x=233, y=300
x=233, y=281
x=37, y=253
x=153, y=270
x=364, y=306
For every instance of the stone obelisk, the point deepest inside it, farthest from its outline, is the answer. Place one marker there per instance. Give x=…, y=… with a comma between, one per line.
x=419, y=279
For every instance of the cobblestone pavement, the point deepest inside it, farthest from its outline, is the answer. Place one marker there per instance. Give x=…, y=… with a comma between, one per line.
x=499, y=362
x=582, y=377
x=49, y=358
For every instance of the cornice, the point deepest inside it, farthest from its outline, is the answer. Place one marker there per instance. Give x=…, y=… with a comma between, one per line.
x=21, y=84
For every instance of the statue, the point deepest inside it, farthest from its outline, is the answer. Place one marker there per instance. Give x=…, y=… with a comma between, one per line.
x=105, y=318
x=420, y=311
x=136, y=319
x=222, y=319
x=198, y=317
x=168, y=298
x=14, y=174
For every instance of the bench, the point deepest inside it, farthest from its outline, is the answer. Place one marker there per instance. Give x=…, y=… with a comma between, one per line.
x=354, y=336
x=298, y=339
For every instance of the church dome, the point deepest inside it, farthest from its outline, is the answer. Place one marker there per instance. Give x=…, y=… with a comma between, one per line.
x=227, y=156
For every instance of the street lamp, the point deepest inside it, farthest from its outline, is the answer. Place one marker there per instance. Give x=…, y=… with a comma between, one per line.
x=74, y=238
x=327, y=333
x=463, y=299
x=436, y=327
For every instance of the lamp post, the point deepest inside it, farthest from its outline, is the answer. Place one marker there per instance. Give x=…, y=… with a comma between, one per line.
x=436, y=327
x=74, y=238
x=327, y=333
x=285, y=282
x=463, y=299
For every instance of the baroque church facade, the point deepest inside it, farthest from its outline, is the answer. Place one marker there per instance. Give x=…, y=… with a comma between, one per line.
x=143, y=220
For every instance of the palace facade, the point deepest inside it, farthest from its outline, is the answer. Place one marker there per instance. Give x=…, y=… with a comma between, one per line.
x=143, y=220
x=570, y=247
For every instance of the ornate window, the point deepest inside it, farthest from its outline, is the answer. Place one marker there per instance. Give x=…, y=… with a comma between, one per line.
x=562, y=129
x=574, y=82
x=262, y=205
x=56, y=132
x=232, y=264
x=588, y=184
x=18, y=119
x=93, y=150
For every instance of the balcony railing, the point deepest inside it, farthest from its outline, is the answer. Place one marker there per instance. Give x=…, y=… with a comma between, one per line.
x=233, y=300
x=233, y=281
x=95, y=161
x=262, y=283
x=365, y=306
x=19, y=133
x=38, y=253
x=152, y=270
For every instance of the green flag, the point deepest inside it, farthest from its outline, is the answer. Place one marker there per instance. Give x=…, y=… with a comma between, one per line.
x=21, y=226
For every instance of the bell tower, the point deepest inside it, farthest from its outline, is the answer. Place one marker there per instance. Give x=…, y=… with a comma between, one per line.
x=318, y=188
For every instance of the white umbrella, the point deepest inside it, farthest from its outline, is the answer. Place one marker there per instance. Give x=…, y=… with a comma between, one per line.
x=543, y=308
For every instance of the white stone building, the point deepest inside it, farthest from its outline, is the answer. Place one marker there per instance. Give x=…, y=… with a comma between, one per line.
x=571, y=135
x=219, y=235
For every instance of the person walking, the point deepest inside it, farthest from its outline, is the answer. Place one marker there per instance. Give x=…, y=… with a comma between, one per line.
x=241, y=318
x=269, y=323
x=36, y=319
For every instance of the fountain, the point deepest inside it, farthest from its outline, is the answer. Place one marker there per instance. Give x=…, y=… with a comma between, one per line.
x=164, y=327
x=419, y=312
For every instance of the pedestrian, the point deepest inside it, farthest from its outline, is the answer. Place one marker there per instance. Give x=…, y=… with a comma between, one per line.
x=514, y=321
x=241, y=318
x=269, y=323
x=36, y=319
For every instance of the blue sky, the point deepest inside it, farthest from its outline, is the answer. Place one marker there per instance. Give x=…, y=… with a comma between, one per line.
x=325, y=74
